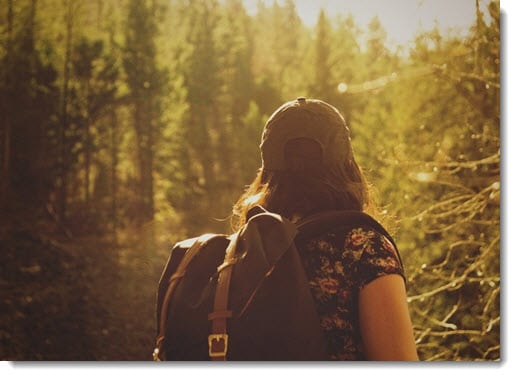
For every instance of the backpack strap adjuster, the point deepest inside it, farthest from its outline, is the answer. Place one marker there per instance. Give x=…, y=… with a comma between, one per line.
x=228, y=262
x=218, y=344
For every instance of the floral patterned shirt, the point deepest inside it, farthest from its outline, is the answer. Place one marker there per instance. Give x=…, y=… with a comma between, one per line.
x=338, y=264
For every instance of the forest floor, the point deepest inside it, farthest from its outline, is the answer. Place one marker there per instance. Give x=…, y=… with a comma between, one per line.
x=75, y=298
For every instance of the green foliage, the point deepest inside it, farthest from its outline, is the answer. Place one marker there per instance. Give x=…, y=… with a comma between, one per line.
x=437, y=169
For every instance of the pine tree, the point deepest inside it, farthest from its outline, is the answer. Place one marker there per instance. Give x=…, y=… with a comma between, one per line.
x=145, y=81
x=29, y=86
x=323, y=86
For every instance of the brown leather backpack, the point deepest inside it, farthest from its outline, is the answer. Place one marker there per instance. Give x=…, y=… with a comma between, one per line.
x=244, y=296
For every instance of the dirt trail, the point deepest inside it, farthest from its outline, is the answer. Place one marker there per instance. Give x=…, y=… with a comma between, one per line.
x=79, y=299
x=44, y=292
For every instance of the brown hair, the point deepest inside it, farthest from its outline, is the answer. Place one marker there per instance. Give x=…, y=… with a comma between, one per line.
x=306, y=187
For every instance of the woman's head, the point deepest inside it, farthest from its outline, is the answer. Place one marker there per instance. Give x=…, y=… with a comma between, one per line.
x=307, y=163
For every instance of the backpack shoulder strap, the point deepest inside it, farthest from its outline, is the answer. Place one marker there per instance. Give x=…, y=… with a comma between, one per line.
x=218, y=340
x=320, y=221
x=195, y=245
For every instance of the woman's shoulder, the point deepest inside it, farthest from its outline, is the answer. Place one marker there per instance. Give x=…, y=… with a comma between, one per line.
x=354, y=236
x=345, y=236
x=372, y=251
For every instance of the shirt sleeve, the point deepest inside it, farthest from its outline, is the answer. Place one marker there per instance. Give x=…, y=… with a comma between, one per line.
x=378, y=257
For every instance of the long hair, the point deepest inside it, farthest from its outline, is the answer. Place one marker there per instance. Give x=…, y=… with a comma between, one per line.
x=306, y=186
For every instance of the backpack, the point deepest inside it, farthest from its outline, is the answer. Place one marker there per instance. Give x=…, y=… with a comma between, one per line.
x=245, y=296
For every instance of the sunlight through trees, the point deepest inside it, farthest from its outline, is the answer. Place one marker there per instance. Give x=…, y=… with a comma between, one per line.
x=128, y=125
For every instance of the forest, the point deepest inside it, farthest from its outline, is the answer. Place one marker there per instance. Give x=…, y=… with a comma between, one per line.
x=128, y=125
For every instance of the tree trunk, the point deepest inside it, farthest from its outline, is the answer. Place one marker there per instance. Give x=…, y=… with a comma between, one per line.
x=5, y=135
x=114, y=163
x=143, y=126
x=63, y=157
x=87, y=154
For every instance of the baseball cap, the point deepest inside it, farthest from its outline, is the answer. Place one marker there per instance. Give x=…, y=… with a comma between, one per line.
x=305, y=119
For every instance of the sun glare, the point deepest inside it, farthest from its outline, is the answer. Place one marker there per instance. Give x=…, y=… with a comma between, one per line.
x=342, y=87
x=401, y=19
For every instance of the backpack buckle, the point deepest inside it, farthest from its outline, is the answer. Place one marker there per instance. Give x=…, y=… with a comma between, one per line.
x=155, y=355
x=218, y=344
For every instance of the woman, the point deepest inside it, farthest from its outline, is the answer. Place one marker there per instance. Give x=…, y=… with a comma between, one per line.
x=355, y=275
